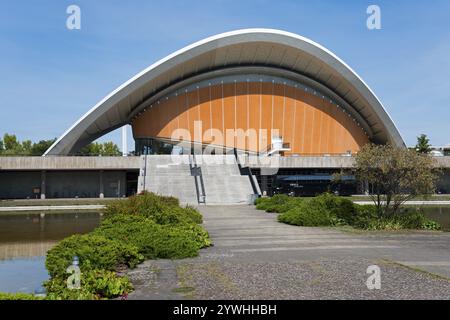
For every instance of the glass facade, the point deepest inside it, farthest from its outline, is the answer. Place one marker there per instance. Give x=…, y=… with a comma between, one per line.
x=154, y=146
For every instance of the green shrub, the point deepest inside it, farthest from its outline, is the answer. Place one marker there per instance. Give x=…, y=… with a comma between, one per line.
x=193, y=214
x=340, y=208
x=197, y=233
x=323, y=210
x=368, y=219
x=308, y=213
x=154, y=240
x=93, y=251
x=278, y=203
x=368, y=210
x=18, y=296
x=327, y=209
x=262, y=203
x=429, y=224
x=145, y=226
x=176, y=216
x=95, y=285
x=275, y=203
x=162, y=210
x=379, y=224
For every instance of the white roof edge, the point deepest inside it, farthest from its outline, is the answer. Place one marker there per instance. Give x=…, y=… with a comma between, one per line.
x=210, y=39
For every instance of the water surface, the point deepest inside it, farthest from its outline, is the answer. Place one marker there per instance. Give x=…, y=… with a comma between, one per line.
x=25, y=239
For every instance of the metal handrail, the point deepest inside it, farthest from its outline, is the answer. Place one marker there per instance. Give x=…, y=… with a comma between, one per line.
x=197, y=172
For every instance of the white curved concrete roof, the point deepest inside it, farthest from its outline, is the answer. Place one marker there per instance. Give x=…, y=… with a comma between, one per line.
x=246, y=48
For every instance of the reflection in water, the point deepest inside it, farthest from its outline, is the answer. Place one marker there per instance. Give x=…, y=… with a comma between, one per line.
x=25, y=239
x=49, y=226
x=25, y=249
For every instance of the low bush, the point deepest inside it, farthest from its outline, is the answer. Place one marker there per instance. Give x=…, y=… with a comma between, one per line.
x=153, y=240
x=145, y=226
x=330, y=210
x=429, y=224
x=200, y=235
x=278, y=203
x=95, y=285
x=324, y=210
x=405, y=219
x=162, y=210
x=308, y=213
x=340, y=208
x=93, y=251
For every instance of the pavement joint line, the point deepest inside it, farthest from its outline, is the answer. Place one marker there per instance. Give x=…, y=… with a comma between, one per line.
x=236, y=243
x=427, y=263
x=314, y=248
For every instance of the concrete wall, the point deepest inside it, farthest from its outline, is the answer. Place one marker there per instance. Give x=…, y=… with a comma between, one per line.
x=69, y=163
x=313, y=162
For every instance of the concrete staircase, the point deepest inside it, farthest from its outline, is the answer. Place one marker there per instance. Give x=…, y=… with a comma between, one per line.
x=160, y=174
x=218, y=176
x=223, y=181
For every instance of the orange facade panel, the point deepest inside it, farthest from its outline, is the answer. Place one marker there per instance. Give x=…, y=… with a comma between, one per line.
x=310, y=123
x=278, y=108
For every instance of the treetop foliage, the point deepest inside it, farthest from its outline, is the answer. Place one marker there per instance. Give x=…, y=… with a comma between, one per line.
x=423, y=144
x=11, y=146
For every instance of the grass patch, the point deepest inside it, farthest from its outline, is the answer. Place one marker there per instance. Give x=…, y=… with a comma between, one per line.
x=394, y=263
x=183, y=290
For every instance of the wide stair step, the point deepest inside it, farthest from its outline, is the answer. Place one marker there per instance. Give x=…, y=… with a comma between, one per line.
x=171, y=176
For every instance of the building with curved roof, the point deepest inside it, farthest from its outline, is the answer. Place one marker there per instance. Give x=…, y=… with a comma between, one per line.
x=252, y=92
x=267, y=87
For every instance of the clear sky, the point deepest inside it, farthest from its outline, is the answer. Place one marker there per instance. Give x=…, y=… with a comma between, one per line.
x=50, y=76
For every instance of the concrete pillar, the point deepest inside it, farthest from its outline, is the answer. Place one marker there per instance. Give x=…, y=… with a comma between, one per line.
x=43, y=183
x=124, y=184
x=124, y=141
x=264, y=186
x=102, y=192
x=366, y=188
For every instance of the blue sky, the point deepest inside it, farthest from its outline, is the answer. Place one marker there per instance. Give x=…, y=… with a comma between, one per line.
x=50, y=76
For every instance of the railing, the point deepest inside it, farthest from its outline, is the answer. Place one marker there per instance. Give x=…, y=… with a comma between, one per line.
x=254, y=184
x=196, y=171
x=145, y=172
x=276, y=147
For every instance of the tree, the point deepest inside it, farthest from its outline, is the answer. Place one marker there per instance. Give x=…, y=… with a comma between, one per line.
x=423, y=144
x=11, y=144
x=100, y=149
x=111, y=149
x=26, y=147
x=395, y=175
x=38, y=149
x=92, y=149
